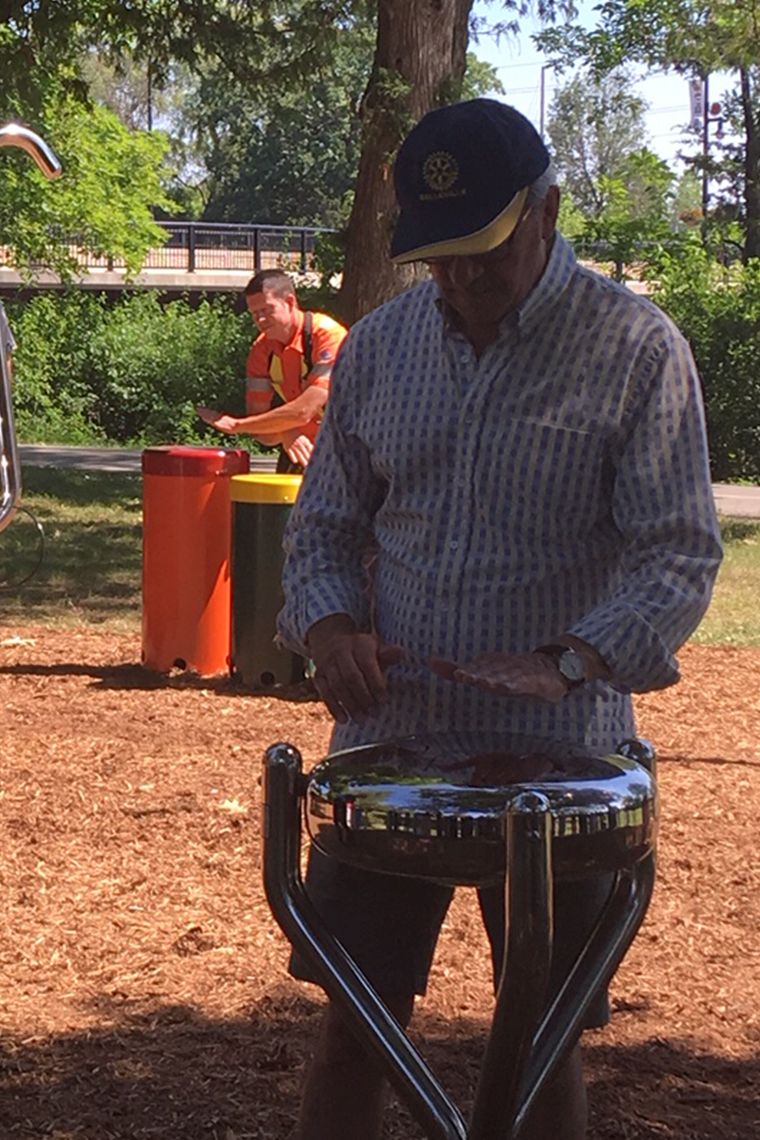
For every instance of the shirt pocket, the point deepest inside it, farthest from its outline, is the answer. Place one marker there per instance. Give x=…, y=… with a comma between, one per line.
x=538, y=481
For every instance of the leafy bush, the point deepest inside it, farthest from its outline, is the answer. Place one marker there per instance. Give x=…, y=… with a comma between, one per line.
x=718, y=310
x=129, y=373
x=51, y=399
x=151, y=365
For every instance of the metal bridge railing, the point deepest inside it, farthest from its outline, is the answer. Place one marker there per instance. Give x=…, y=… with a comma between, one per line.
x=213, y=246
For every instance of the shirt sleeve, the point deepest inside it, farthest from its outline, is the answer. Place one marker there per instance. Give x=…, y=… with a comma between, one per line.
x=258, y=383
x=330, y=527
x=327, y=337
x=664, y=507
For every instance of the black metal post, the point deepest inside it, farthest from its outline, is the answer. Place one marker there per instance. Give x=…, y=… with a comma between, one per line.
x=705, y=153
x=190, y=247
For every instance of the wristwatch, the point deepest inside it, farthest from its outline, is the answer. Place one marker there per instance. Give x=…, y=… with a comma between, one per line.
x=568, y=662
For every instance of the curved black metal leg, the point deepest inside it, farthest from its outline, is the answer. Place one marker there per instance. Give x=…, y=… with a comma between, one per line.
x=343, y=981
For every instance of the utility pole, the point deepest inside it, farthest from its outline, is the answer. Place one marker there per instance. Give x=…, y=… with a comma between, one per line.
x=705, y=151
x=149, y=78
x=710, y=114
x=544, y=68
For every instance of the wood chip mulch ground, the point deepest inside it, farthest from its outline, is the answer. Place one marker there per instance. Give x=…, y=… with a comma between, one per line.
x=143, y=990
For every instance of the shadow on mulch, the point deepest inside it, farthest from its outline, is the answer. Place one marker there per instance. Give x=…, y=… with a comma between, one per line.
x=171, y=1073
x=663, y=1088
x=138, y=677
x=168, y=1072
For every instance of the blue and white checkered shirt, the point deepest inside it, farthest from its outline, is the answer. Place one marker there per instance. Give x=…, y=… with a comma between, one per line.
x=557, y=483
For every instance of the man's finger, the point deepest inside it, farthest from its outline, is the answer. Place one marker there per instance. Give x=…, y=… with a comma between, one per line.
x=444, y=667
x=388, y=655
x=334, y=707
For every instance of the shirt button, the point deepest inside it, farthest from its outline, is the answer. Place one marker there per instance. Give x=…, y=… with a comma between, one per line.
x=453, y=544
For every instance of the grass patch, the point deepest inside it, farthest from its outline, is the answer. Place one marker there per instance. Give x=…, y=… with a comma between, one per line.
x=734, y=614
x=92, y=559
x=90, y=572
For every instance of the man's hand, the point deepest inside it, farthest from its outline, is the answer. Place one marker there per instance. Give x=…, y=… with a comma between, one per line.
x=349, y=667
x=219, y=420
x=298, y=447
x=507, y=675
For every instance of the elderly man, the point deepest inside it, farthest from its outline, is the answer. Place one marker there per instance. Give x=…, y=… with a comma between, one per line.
x=523, y=443
x=292, y=359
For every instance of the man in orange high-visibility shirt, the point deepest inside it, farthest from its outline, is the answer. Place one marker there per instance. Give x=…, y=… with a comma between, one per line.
x=292, y=357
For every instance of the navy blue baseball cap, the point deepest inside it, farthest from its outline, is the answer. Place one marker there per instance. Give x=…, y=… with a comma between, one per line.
x=461, y=179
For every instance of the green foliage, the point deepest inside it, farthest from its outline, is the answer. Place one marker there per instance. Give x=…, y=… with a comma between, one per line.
x=718, y=310
x=329, y=254
x=131, y=374
x=286, y=154
x=481, y=79
x=51, y=400
x=102, y=200
x=152, y=365
x=634, y=220
x=616, y=193
x=695, y=39
x=41, y=44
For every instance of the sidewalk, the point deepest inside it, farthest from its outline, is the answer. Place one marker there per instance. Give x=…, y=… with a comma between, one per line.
x=733, y=501
x=104, y=458
x=737, y=502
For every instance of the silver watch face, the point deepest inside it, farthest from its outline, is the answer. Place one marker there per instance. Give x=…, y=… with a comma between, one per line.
x=571, y=666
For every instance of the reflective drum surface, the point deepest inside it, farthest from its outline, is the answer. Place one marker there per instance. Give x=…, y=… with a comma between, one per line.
x=425, y=807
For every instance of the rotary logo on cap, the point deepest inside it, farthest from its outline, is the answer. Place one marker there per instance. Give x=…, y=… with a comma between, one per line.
x=440, y=171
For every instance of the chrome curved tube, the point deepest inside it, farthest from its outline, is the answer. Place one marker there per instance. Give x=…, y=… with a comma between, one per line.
x=13, y=134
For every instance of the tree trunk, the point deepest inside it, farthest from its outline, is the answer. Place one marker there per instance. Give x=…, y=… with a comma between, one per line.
x=420, y=59
x=751, y=170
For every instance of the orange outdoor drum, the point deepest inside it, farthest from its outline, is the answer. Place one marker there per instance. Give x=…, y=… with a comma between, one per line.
x=186, y=585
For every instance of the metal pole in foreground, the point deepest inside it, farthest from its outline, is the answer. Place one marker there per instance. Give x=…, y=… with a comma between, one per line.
x=529, y=937
x=13, y=134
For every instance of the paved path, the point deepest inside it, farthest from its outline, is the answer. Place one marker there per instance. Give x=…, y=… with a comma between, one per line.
x=103, y=458
x=737, y=502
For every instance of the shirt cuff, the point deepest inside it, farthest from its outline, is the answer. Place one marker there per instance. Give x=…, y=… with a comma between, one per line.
x=638, y=658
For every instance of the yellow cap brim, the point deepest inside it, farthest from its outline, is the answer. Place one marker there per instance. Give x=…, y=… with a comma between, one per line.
x=470, y=245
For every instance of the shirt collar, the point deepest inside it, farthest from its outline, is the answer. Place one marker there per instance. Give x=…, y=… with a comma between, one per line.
x=296, y=341
x=550, y=286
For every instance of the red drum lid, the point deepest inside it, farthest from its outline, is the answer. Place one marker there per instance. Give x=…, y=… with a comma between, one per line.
x=195, y=461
